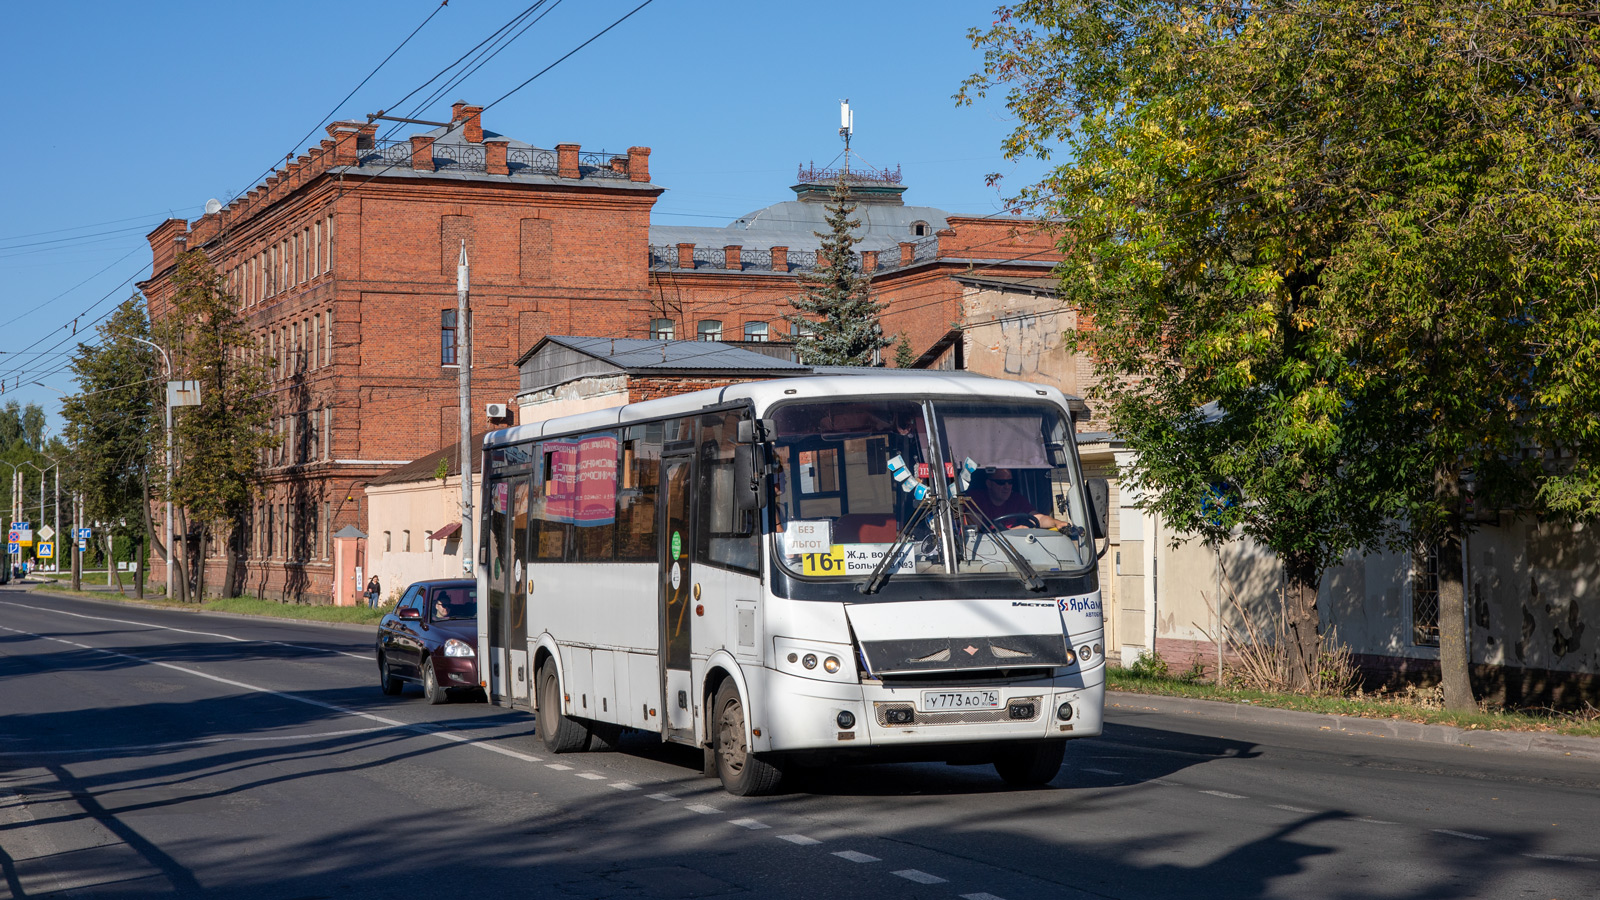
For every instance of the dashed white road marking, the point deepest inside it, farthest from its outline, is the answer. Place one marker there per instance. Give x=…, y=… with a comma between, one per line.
x=225, y=637
x=1368, y=820
x=664, y=798
x=1460, y=834
x=751, y=824
x=624, y=786
x=592, y=776
x=416, y=728
x=702, y=809
x=1102, y=771
x=1293, y=809
x=1225, y=795
x=980, y=897
x=855, y=857
x=920, y=877
x=1554, y=857
x=558, y=767
x=800, y=839
x=196, y=742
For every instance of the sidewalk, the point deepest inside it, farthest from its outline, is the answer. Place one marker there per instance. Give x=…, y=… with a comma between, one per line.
x=1514, y=741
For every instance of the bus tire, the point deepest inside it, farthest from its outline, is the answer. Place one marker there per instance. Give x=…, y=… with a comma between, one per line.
x=743, y=773
x=388, y=683
x=604, y=736
x=559, y=733
x=1032, y=764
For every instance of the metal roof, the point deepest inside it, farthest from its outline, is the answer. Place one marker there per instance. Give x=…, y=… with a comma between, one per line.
x=639, y=355
x=795, y=223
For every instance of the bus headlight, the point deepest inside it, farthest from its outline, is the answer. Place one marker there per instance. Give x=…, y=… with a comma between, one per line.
x=1064, y=712
x=830, y=665
x=846, y=719
x=810, y=661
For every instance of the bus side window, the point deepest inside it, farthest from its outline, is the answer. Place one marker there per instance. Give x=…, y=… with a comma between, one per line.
x=548, y=537
x=636, y=500
x=727, y=536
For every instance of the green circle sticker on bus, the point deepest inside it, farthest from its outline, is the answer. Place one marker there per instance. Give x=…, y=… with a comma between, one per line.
x=677, y=544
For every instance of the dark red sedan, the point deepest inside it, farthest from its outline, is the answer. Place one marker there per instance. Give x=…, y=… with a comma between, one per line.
x=431, y=638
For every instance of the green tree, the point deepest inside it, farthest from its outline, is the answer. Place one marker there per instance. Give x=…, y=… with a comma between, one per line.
x=217, y=445
x=904, y=356
x=112, y=425
x=839, y=319
x=1360, y=232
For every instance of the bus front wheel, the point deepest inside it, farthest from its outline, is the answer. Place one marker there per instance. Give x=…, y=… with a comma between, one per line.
x=742, y=772
x=560, y=734
x=1031, y=765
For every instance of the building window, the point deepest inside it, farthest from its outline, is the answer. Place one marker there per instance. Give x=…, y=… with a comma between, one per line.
x=662, y=330
x=316, y=247
x=406, y=537
x=388, y=542
x=919, y=229
x=1425, y=597
x=755, y=331
x=447, y=337
x=709, y=330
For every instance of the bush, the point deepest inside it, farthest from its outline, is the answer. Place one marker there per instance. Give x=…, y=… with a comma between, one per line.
x=1149, y=665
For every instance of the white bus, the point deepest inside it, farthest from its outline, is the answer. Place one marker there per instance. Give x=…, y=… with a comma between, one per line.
x=801, y=570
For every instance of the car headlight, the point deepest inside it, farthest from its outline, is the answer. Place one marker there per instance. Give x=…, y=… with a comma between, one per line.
x=454, y=647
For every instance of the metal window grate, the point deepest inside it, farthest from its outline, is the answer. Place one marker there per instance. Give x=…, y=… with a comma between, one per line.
x=1425, y=597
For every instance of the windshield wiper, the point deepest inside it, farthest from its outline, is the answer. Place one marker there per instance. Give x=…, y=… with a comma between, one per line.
x=902, y=537
x=1025, y=570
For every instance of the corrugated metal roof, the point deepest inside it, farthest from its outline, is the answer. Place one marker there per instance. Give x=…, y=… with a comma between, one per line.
x=637, y=355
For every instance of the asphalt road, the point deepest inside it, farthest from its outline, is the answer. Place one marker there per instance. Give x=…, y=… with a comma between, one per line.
x=153, y=753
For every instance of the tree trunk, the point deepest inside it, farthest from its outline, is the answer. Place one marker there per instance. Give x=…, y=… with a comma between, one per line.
x=1455, y=662
x=200, y=564
x=230, y=571
x=178, y=553
x=156, y=544
x=138, y=571
x=1302, y=621
x=111, y=561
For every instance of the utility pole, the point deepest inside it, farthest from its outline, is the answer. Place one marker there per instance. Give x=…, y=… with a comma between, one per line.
x=167, y=525
x=464, y=360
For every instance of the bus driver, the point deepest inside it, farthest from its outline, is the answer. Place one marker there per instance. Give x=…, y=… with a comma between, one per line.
x=998, y=499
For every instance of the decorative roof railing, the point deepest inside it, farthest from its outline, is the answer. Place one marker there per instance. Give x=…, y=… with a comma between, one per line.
x=810, y=174
x=665, y=256
x=457, y=157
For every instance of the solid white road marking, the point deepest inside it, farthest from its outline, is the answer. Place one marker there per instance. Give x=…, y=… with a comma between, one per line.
x=800, y=839
x=173, y=745
x=919, y=876
x=855, y=857
x=226, y=637
x=702, y=809
x=392, y=723
x=1225, y=795
x=1460, y=834
x=751, y=824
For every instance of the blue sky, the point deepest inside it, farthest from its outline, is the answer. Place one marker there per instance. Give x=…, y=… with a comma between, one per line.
x=124, y=114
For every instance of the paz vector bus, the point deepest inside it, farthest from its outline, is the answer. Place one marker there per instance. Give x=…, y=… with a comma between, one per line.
x=798, y=571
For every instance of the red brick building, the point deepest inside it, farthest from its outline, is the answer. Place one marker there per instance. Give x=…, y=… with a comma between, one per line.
x=344, y=266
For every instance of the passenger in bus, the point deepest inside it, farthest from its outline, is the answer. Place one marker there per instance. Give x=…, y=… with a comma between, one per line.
x=995, y=494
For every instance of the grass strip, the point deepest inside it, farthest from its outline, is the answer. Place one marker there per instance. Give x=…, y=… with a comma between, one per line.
x=1368, y=706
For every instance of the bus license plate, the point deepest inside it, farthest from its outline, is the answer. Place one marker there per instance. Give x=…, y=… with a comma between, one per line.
x=940, y=700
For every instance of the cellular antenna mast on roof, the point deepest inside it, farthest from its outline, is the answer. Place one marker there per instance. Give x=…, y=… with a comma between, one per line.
x=847, y=127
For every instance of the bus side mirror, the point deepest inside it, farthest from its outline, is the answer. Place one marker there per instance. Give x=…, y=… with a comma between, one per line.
x=757, y=431
x=1058, y=454
x=1099, y=506
x=747, y=479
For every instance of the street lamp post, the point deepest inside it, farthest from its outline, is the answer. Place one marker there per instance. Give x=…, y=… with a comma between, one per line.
x=16, y=487
x=57, y=526
x=167, y=526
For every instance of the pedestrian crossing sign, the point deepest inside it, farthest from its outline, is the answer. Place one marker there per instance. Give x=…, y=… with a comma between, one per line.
x=47, y=550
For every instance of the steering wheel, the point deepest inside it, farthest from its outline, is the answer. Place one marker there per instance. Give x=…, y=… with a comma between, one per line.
x=1022, y=520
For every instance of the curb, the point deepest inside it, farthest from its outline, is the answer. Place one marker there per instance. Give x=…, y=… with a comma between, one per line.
x=40, y=588
x=1510, y=741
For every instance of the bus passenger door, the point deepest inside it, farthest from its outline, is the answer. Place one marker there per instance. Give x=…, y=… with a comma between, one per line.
x=676, y=578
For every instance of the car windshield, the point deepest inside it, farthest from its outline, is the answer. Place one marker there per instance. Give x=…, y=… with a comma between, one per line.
x=966, y=487
x=454, y=603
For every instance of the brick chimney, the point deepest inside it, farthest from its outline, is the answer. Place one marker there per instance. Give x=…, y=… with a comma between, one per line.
x=685, y=256
x=638, y=163
x=422, y=152
x=346, y=136
x=780, y=259
x=731, y=257
x=908, y=252
x=472, y=115
x=567, y=161
x=494, y=155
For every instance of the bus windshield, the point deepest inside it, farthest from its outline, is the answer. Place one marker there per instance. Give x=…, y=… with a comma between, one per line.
x=939, y=487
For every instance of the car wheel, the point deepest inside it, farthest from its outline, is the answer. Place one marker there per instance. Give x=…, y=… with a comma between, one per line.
x=430, y=685
x=389, y=684
x=743, y=773
x=1031, y=765
x=559, y=733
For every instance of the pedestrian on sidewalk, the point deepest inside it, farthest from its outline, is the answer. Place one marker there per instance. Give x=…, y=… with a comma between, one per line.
x=373, y=591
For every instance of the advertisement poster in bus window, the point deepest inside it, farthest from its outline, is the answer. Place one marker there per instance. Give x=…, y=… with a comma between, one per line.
x=583, y=480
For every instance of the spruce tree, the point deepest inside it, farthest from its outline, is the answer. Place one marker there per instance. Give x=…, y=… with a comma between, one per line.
x=838, y=316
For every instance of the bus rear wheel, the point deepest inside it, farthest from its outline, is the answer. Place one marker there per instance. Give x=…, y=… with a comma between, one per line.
x=1031, y=765
x=743, y=773
x=560, y=734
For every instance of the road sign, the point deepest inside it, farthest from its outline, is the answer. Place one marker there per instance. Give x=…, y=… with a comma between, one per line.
x=46, y=532
x=46, y=550
x=83, y=534
x=14, y=548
